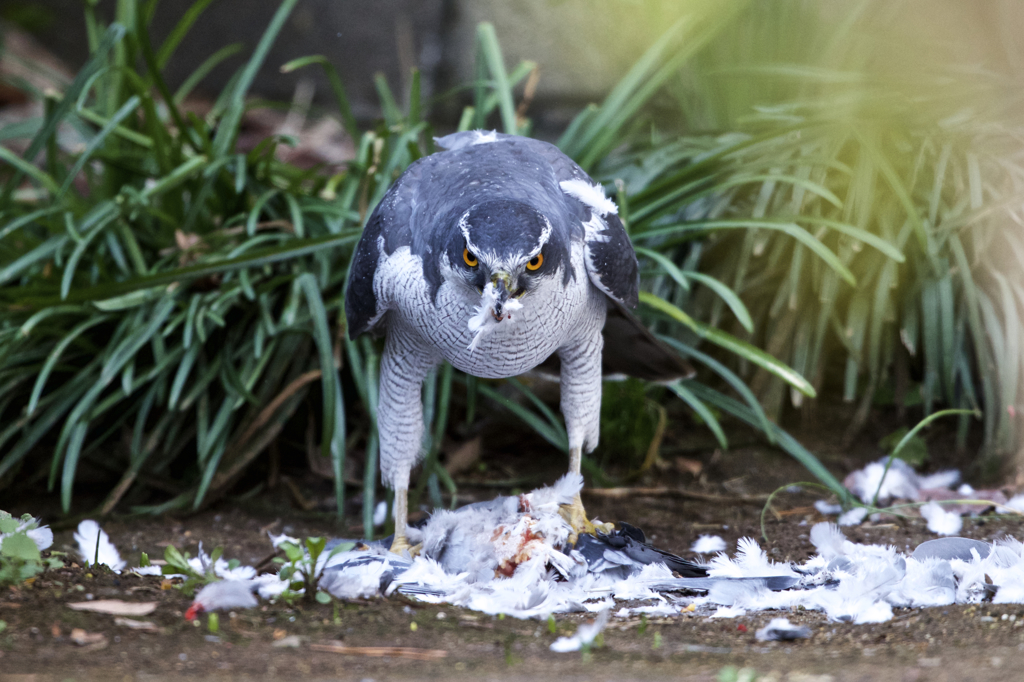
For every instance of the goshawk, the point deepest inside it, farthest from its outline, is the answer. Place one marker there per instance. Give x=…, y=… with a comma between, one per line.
x=496, y=255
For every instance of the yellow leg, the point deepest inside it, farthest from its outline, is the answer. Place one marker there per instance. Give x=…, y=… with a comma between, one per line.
x=400, y=544
x=574, y=514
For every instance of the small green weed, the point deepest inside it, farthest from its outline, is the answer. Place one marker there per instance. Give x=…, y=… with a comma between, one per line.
x=178, y=564
x=20, y=558
x=731, y=673
x=303, y=567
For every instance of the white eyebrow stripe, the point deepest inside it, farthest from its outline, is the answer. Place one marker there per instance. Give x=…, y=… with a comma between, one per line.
x=492, y=258
x=545, y=235
x=464, y=228
x=591, y=195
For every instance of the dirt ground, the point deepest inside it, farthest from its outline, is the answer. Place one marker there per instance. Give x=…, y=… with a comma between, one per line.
x=277, y=641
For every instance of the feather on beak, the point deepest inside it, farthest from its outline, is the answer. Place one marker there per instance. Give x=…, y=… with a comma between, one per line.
x=495, y=306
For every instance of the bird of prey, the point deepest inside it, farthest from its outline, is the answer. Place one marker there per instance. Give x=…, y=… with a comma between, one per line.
x=496, y=255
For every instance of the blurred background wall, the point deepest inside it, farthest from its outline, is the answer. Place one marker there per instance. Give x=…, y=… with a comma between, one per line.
x=582, y=47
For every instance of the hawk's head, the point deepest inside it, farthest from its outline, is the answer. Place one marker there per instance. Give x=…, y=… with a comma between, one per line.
x=503, y=250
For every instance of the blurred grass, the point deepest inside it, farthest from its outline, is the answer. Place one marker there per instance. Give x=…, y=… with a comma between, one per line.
x=168, y=303
x=875, y=176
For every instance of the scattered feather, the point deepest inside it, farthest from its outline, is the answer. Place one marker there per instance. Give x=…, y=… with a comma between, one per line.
x=95, y=547
x=201, y=563
x=941, y=521
x=585, y=634
x=380, y=513
x=827, y=509
x=781, y=630
x=828, y=540
x=706, y=544
x=899, y=482
x=854, y=517
x=147, y=570
x=750, y=562
x=223, y=594
x=42, y=536
x=952, y=548
x=278, y=540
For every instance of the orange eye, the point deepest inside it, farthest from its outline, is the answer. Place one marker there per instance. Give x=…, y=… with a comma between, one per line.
x=470, y=259
x=535, y=262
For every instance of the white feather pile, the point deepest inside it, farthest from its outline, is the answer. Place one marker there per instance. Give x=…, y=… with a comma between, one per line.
x=106, y=553
x=900, y=481
x=508, y=556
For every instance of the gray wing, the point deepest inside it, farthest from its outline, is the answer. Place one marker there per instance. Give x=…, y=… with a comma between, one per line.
x=611, y=261
x=612, y=265
x=388, y=228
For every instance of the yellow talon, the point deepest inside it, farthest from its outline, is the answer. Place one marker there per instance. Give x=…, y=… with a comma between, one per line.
x=576, y=516
x=400, y=545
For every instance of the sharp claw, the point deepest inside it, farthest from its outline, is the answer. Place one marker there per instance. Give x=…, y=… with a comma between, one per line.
x=402, y=547
x=576, y=516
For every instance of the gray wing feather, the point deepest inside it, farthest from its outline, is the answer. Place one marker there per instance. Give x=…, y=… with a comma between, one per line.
x=612, y=265
x=388, y=228
x=611, y=261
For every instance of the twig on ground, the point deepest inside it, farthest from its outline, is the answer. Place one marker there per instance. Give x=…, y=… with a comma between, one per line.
x=614, y=493
x=378, y=651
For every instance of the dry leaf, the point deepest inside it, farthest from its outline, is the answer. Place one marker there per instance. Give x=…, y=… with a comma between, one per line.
x=92, y=640
x=116, y=607
x=462, y=457
x=688, y=466
x=289, y=642
x=140, y=625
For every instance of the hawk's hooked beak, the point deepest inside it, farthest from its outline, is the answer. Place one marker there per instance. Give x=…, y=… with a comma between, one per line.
x=502, y=282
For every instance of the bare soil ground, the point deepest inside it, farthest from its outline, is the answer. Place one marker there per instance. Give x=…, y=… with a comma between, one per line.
x=278, y=641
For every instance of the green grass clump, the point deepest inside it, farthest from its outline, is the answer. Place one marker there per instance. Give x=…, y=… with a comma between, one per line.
x=629, y=423
x=853, y=219
x=162, y=292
